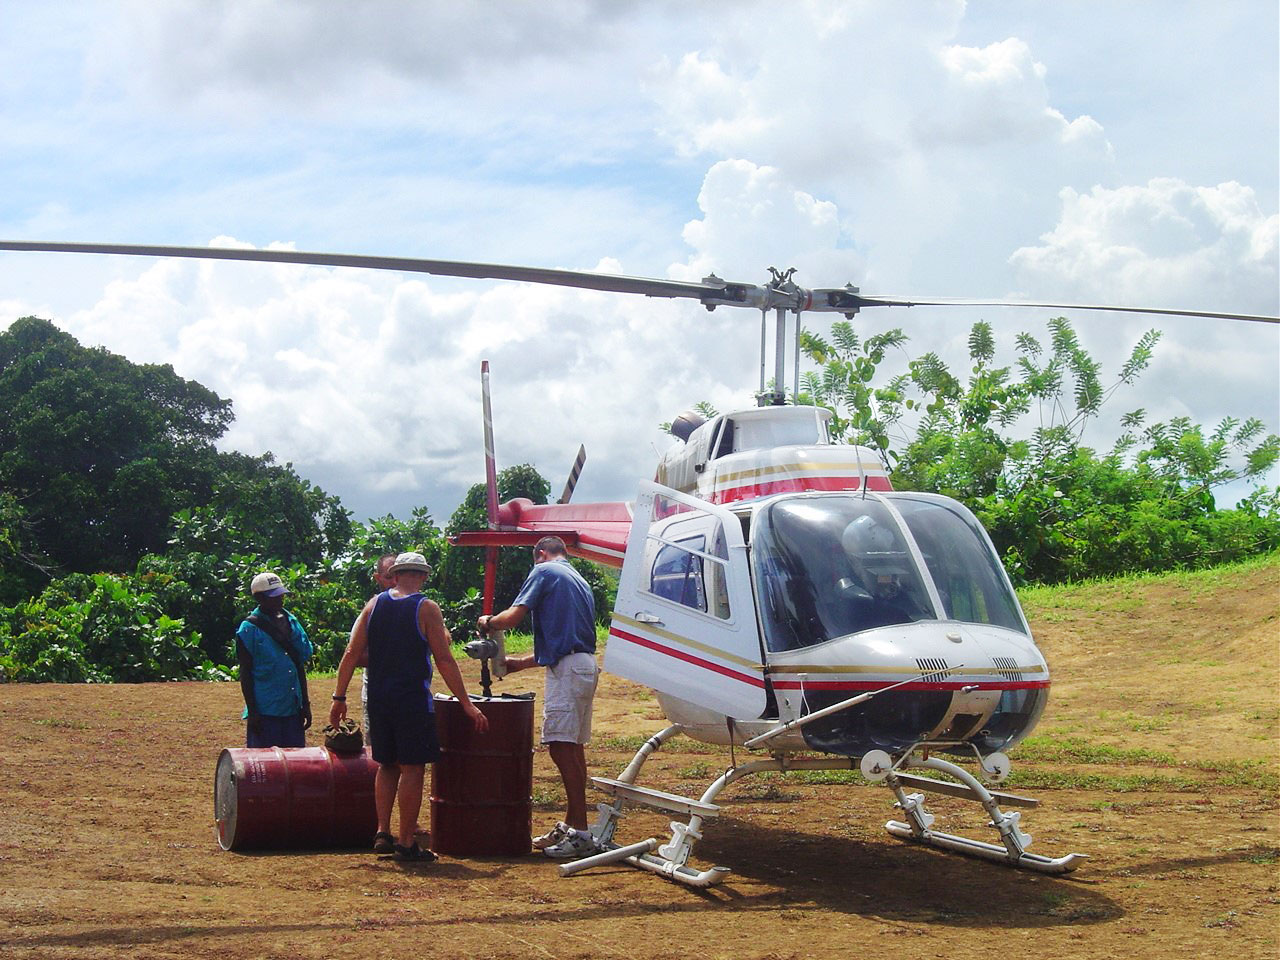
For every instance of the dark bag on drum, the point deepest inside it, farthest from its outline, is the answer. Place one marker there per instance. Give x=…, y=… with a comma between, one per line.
x=346, y=738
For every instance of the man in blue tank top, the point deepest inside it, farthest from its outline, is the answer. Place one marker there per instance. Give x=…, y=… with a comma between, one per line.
x=564, y=641
x=401, y=631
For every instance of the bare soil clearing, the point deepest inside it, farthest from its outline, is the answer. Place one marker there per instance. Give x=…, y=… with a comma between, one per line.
x=1158, y=758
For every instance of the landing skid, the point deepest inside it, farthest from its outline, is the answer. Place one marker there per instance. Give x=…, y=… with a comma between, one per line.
x=1012, y=849
x=671, y=859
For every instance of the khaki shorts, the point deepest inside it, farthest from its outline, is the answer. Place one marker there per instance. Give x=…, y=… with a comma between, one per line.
x=566, y=706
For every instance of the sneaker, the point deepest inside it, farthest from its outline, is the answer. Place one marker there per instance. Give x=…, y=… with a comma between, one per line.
x=573, y=847
x=552, y=836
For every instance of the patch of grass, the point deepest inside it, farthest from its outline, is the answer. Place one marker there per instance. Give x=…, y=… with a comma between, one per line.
x=1114, y=783
x=62, y=723
x=1125, y=593
x=547, y=797
x=1250, y=774
x=1138, y=723
x=1226, y=921
x=695, y=771
x=1053, y=900
x=1050, y=747
x=627, y=744
x=1263, y=855
x=828, y=777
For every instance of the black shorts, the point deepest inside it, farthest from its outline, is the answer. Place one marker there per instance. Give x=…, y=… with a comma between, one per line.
x=403, y=732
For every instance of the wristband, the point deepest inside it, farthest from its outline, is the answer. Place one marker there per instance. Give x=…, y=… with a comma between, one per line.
x=338, y=699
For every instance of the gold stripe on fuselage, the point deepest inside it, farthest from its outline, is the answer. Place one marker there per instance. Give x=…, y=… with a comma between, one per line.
x=690, y=644
x=911, y=671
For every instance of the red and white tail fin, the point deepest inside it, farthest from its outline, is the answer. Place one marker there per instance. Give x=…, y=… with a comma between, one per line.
x=596, y=531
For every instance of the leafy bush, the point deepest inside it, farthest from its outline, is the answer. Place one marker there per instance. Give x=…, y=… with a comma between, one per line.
x=98, y=628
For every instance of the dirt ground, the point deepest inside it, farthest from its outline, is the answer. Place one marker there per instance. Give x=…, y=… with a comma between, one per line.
x=1158, y=758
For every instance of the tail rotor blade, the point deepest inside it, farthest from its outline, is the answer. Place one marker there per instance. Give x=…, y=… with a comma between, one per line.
x=490, y=461
x=574, y=473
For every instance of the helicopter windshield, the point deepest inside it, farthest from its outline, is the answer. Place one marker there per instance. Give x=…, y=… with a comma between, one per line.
x=827, y=567
x=965, y=570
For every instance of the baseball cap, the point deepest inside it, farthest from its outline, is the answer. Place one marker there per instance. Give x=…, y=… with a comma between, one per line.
x=411, y=561
x=269, y=584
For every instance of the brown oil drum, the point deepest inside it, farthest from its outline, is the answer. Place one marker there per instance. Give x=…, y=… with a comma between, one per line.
x=482, y=785
x=271, y=798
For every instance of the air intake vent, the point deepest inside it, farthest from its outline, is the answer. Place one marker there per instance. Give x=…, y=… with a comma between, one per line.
x=931, y=665
x=1007, y=667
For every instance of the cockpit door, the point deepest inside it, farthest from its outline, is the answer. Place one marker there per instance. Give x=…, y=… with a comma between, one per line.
x=684, y=621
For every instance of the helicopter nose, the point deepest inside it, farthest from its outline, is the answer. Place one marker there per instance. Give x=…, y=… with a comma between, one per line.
x=965, y=684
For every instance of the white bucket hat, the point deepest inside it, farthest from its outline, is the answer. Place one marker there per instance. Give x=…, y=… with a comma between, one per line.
x=410, y=561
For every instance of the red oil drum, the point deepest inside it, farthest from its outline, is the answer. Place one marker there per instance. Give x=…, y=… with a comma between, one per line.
x=271, y=798
x=482, y=785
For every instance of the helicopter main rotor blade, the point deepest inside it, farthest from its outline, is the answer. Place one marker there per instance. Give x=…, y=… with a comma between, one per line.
x=836, y=299
x=445, y=268
x=710, y=291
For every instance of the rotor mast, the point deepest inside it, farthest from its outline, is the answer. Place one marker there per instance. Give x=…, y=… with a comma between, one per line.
x=782, y=296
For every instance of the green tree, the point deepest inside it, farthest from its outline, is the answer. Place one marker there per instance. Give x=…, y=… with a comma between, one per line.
x=862, y=414
x=277, y=513
x=22, y=572
x=202, y=577
x=100, y=451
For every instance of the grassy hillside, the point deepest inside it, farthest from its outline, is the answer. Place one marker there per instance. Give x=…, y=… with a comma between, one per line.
x=1183, y=665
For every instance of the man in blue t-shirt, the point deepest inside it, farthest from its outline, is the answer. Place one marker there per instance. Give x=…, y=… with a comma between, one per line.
x=564, y=641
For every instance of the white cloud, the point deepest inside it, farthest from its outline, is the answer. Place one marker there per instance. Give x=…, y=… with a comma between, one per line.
x=998, y=93
x=1166, y=243
x=752, y=217
x=312, y=50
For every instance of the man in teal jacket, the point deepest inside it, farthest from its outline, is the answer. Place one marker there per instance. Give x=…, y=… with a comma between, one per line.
x=272, y=649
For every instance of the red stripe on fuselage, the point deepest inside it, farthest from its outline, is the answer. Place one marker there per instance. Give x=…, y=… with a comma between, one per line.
x=752, y=491
x=688, y=658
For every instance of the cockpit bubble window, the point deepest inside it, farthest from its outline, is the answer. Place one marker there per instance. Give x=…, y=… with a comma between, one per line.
x=828, y=567
x=964, y=568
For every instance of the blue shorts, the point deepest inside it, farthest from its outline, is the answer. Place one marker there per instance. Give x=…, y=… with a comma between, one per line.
x=276, y=732
x=403, y=732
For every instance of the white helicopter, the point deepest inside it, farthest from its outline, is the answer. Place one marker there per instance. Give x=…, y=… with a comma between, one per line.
x=778, y=595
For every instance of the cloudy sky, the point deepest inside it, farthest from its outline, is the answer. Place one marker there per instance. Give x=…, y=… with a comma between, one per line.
x=1082, y=151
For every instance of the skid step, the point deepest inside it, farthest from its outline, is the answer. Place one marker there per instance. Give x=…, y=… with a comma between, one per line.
x=658, y=799
x=960, y=790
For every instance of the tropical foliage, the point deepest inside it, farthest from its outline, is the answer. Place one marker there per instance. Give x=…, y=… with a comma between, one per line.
x=1009, y=442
